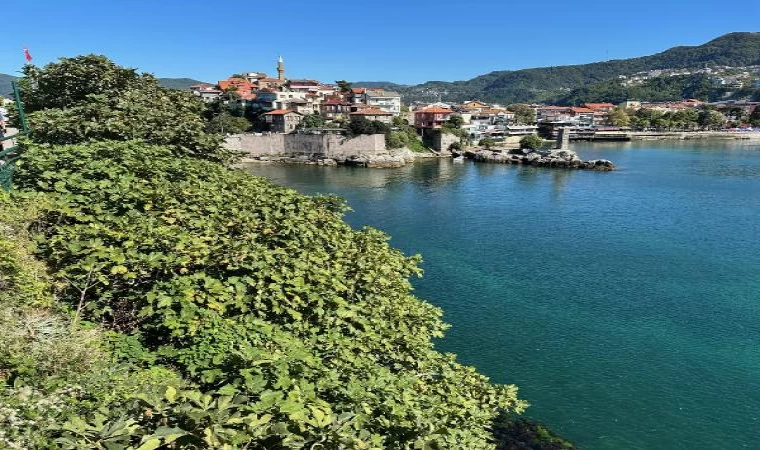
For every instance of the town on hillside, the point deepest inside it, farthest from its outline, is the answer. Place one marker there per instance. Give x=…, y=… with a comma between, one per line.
x=282, y=105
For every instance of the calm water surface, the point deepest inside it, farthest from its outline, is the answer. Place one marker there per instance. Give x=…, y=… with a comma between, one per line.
x=625, y=305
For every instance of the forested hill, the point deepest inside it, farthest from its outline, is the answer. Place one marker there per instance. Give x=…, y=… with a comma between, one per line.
x=5, y=85
x=171, y=83
x=548, y=83
x=178, y=83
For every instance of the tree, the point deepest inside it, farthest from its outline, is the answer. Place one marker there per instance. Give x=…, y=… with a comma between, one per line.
x=524, y=114
x=711, y=120
x=226, y=123
x=257, y=296
x=311, y=121
x=754, y=117
x=487, y=142
x=619, y=117
x=531, y=142
x=344, y=86
x=361, y=125
x=89, y=98
x=455, y=121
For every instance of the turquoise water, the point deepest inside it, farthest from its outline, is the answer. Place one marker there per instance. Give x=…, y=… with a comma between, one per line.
x=625, y=305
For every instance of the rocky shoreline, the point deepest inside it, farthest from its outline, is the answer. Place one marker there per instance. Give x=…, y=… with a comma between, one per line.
x=390, y=159
x=552, y=158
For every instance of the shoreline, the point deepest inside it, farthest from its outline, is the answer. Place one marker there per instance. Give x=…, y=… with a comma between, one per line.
x=692, y=135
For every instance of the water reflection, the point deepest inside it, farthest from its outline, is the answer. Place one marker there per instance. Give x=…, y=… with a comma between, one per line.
x=426, y=174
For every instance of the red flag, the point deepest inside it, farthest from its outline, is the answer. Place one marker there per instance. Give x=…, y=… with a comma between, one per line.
x=27, y=55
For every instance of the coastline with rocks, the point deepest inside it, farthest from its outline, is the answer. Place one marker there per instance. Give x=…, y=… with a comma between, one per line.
x=560, y=158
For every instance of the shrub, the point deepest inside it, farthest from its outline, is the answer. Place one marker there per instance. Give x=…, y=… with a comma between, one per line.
x=243, y=284
x=531, y=142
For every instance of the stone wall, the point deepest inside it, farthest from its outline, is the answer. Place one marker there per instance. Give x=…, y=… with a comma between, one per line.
x=315, y=145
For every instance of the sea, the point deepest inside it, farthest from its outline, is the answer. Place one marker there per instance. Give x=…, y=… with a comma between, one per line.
x=625, y=305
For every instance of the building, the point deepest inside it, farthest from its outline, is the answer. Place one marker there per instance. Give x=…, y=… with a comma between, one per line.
x=370, y=113
x=281, y=69
x=474, y=106
x=431, y=118
x=335, y=108
x=206, y=92
x=282, y=120
x=388, y=101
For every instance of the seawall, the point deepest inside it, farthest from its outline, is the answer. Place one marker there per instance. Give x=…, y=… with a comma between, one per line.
x=364, y=150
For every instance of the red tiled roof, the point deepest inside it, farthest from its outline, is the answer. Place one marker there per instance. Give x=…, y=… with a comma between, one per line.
x=581, y=110
x=434, y=110
x=336, y=101
x=358, y=90
x=370, y=112
x=598, y=105
x=269, y=80
x=280, y=112
x=241, y=84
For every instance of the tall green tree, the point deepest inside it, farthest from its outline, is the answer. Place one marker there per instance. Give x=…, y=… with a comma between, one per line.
x=619, y=117
x=89, y=98
x=524, y=114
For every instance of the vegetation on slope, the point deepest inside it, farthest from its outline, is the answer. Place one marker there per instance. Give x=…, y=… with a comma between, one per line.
x=194, y=306
x=547, y=83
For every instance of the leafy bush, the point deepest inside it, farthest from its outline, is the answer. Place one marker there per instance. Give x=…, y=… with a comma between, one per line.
x=89, y=98
x=242, y=284
x=513, y=433
x=531, y=142
x=361, y=125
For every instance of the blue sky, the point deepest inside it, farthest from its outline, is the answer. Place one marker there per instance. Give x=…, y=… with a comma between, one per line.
x=402, y=41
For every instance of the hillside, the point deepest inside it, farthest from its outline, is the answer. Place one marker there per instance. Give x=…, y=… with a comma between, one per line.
x=546, y=83
x=5, y=85
x=177, y=83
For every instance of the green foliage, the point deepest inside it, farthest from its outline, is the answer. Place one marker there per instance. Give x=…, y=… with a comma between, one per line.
x=673, y=88
x=256, y=289
x=711, y=119
x=619, y=117
x=513, y=433
x=403, y=135
x=487, y=142
x=311, y=121
x=548, y=84
x=524, y=114
x=226, y=123
x=531, y=142
x=455, y=121
x=361, y=125
x=754, y=117
x=89, y=98
x=343, y=85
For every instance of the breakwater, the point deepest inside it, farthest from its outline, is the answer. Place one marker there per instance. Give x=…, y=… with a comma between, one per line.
x=366, y=150
x=553, y=158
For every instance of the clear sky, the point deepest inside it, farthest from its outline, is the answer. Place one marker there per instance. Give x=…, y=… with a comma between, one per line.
x=402, y=41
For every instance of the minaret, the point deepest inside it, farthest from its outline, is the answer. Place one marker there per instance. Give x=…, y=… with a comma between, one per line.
x=280, y=69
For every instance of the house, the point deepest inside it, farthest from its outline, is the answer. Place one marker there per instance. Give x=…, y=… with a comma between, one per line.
x=474, y=105
x=282, y=120
x=335, y=108
x=388, y=101
x=582, y=117
x=239, y=85
x=299, y=105
x=431, y=118
x=206, y=92
x=601, y=113
x=372, y=114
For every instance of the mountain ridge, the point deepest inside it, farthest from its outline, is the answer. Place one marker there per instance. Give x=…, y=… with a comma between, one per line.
x=550, y=83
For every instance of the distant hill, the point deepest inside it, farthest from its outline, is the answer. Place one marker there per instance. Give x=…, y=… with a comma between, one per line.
x=5, y=85
x=380, y=84
x=549, y=83
x=178, y=83
x=171, y=83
